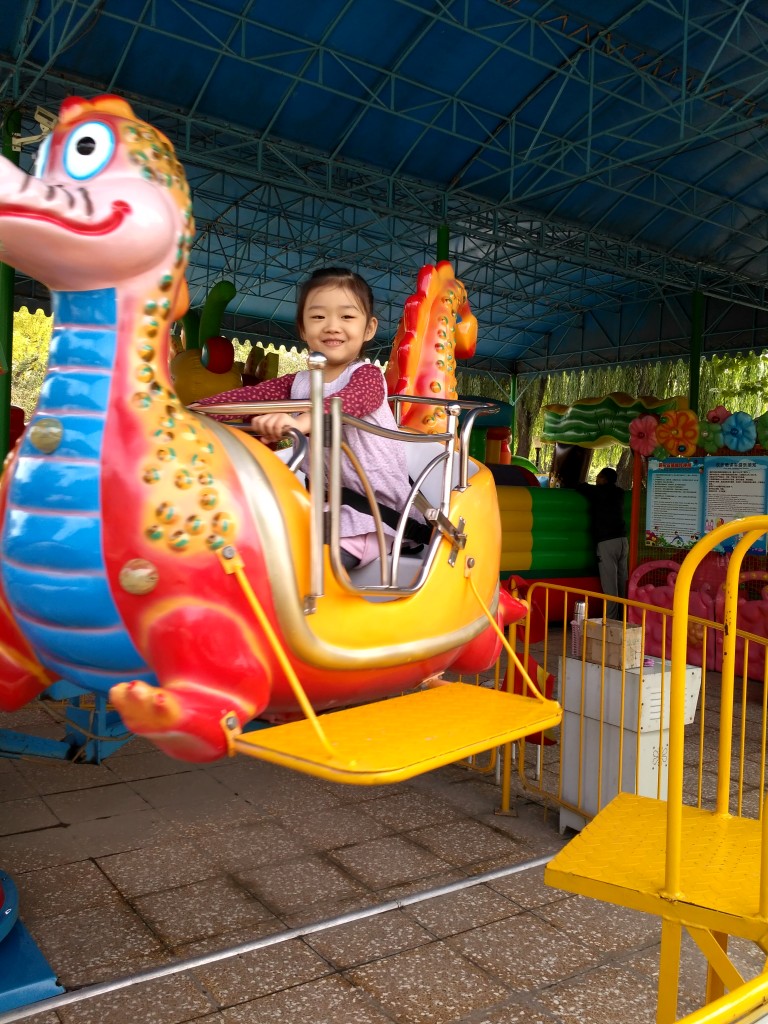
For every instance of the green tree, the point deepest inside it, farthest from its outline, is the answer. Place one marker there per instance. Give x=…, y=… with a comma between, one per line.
x=659, y=379
x=31, y=338
x=528, y=407
x=740, y=383
x=483, y=384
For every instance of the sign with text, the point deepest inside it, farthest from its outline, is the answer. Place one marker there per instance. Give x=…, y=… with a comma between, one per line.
x=690, y=497
x=673, y=512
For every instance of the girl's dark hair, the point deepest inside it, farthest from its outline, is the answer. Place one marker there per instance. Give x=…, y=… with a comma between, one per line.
x=329, y=276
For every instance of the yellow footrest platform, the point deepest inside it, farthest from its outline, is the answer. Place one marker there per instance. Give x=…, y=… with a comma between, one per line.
x=395, y=739
x=620, y=858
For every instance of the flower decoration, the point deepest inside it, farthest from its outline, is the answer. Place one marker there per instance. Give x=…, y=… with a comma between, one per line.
x=718, y=415
x=710, y=436
x=642, y=435
x=761, y=423
x=678, y=432
x=739, y=432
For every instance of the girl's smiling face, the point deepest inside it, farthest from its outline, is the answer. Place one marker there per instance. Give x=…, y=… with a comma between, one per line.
x=335, y=325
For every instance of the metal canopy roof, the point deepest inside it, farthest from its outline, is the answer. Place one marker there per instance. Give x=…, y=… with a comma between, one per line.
x=595, y=163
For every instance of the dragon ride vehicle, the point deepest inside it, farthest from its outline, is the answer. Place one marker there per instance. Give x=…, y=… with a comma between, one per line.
x=176, y=563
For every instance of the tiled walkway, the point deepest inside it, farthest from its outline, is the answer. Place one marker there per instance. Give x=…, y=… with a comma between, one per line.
x=144, y=860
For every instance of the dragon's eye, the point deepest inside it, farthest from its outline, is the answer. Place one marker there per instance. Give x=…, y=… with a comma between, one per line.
x=88, y=150
x=41, y=158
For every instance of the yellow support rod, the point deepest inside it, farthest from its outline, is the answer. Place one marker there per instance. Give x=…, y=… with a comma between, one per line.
x=669, y=971
x=764, y=861
x=728, y=669
x=677, y=686
x=233, y=564
x=505, y=643
x=714, y=947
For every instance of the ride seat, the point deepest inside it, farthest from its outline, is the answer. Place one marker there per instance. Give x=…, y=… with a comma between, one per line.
x=419, y=455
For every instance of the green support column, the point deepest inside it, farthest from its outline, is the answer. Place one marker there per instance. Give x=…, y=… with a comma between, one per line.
x=443, y=236
x=11, y=126
x=694, y=358
x=513, y=403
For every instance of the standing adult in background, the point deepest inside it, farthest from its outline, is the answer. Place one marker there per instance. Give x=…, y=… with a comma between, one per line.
x=609, y=533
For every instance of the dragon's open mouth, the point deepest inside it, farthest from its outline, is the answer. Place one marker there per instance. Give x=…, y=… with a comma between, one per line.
x=120, y=210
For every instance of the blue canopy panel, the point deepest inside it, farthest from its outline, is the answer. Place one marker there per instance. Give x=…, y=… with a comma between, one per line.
x=595, y=164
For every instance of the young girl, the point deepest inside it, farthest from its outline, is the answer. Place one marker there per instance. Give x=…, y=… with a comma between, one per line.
x=335, y=317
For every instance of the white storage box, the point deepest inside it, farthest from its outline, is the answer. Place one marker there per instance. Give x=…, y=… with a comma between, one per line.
x=645, y=752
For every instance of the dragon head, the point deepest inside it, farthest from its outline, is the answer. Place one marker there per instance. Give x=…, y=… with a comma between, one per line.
x=107, y=202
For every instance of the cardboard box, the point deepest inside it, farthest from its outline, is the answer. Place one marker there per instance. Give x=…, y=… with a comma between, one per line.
x=615, y=653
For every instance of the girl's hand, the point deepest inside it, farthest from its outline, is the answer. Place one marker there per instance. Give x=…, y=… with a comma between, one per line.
x=274, y=426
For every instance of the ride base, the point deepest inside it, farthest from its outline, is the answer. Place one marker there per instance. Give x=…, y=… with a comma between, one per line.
x=25, y=976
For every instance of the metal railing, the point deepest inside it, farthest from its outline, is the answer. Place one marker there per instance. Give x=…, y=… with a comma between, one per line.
x=455, y=442
x=616, y=691
x=747, y=1004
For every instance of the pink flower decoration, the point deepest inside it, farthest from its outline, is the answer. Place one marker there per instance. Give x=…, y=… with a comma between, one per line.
x=718, y=415
x=642, y=435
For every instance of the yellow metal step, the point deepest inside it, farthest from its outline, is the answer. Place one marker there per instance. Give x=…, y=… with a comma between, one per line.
x=620, y=858
x=395, y=739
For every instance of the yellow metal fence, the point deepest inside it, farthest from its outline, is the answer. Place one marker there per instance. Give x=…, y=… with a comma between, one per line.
x=747, y=1004
x=616, y=698
x=698, y=857
x=665, y=711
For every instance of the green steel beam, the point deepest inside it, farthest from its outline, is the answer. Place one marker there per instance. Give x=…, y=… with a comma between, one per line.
x=694, y=356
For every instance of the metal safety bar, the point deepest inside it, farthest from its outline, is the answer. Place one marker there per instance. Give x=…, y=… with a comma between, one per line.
x=338, y=446
x=437, y=516
x=317, y=364
x=456, y=445
x=471, y=409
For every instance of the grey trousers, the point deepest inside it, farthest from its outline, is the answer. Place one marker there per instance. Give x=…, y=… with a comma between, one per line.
x=612, y=556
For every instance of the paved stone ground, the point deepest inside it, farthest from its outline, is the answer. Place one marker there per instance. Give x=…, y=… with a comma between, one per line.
x=143, y=860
